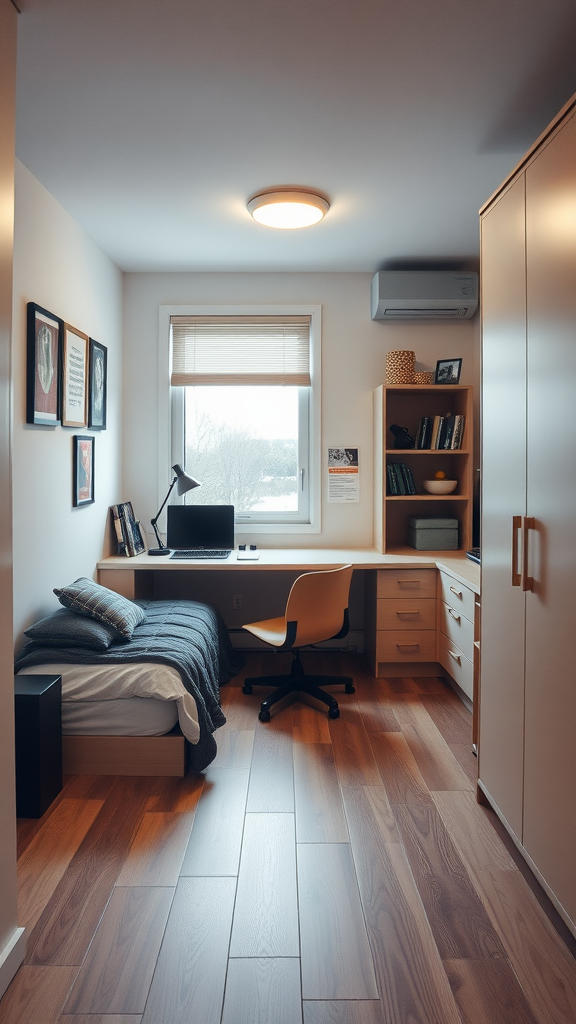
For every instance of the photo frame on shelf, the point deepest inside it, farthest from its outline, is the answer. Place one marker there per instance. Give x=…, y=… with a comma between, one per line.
x=83, y=470
x=97, y=385
x=74, y=378
x=448, y=371
x=43, y=362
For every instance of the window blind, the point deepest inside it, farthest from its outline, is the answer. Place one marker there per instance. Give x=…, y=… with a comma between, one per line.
x=240, y=350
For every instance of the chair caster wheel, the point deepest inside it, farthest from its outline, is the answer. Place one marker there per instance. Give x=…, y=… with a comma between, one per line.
x=349, y=688
x=334, y=713
x=264, y=716
x=246, y=688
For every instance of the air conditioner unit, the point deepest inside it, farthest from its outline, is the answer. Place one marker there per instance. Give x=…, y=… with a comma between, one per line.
x=423, y=295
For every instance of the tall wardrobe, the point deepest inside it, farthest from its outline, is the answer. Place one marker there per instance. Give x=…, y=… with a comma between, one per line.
x=527, y=715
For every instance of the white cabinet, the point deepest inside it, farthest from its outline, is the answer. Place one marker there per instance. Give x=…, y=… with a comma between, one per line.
x=456, y=608
x=527, y=693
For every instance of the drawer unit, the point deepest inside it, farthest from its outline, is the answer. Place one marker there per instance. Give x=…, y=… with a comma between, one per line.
x=457, y=628
x=406, y=583
x=417, y=613
x=456, y=664
x=407, y=645
x=457, y=595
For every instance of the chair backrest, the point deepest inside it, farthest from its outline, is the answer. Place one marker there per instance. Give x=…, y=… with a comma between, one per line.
x=317, y=602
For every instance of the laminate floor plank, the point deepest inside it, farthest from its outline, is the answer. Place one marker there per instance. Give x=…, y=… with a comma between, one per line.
x=216, y=838
x=36, y=995
x=336, y=958
x=266, y=910
x=449, y=715
x=487, y=991
x=271, y=786
x=318, y=801
x=375, y=706
x=75, y=787
x=179, y=796
x=188, y=984
x=353, y=755
x=438, y=766
x=308, y=725
x=398, y=769
x=372, y=805
x=466, y=759
x=158, y=849
x=343, y=1011
x=66, y=926
x=117, y=971
x=263, y=991
x=411, y=980
x=458, y=919
x=468, y=823
x=49, y=853
x=100, y=1018
x=234, y=748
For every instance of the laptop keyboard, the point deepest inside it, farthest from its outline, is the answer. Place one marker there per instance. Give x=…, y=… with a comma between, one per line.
x=200, y=553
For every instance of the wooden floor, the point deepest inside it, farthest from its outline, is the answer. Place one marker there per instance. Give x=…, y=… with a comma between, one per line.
x=325, y=872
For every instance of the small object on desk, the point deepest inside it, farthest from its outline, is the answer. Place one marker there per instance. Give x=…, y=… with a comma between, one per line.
x=38, y=736
x=253, y=547
x=241, y=547
x=253, y=555
x=474, y=554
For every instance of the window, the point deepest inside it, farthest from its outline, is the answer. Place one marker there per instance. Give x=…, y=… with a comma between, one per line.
x=242, y=412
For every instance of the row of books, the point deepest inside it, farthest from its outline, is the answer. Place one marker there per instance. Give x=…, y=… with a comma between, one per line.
x=400, y=479
x=440, y=432
x=127, y=529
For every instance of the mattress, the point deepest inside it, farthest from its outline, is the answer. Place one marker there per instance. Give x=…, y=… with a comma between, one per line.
x=113, y=689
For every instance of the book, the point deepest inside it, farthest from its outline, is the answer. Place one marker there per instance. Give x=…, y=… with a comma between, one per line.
x=127, y=528
x=392, y=485
x=423, y=435
x=447, y=432
x=458, y=432
x=408, y=479
x=436, y=429
x=399, y=478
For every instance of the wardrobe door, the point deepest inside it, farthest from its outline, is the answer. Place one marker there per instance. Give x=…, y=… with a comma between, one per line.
x=501, y=729
x=550, y=708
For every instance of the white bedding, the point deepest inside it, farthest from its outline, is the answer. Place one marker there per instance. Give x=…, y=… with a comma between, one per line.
x=86, y=683
x=130, y=716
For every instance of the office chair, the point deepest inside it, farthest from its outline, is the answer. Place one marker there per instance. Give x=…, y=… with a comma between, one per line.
x=317, y=609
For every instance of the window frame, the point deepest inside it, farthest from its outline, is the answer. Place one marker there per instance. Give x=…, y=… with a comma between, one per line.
x=171, y=412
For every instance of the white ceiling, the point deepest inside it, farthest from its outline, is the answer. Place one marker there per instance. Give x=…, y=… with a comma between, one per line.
x=153, y=121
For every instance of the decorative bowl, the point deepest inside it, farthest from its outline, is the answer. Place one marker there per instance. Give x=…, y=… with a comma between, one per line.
x=440, y=486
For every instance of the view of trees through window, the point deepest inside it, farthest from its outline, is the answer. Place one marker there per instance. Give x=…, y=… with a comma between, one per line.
x=241, y=442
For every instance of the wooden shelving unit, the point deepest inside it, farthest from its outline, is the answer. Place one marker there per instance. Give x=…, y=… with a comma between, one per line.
x=405, y=404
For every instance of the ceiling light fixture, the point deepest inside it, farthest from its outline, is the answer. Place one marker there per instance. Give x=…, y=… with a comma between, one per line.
x=288, y=207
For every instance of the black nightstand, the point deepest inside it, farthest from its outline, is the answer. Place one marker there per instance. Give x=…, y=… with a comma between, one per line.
x=38, y=731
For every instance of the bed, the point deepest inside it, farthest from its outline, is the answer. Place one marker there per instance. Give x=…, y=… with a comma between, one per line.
x=140, y=687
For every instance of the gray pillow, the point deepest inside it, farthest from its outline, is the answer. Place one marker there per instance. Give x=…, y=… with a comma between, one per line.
x=88, y=598
x=66, y=628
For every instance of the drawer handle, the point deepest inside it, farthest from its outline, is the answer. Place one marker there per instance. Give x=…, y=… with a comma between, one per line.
x=454, y=614
x=408, y=583
x=455, y=656
x=457, y=592
x=409, y=647
x=408, y=615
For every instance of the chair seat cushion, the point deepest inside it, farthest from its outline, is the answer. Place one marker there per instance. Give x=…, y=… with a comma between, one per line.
x=272, y=631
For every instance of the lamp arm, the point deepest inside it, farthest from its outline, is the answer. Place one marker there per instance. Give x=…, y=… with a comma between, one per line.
x=159, y=512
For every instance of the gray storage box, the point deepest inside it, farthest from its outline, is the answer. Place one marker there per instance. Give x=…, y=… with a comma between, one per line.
x=432, y=533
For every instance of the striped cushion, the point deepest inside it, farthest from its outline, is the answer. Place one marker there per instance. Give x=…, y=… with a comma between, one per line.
x=89, y=598
x=65, y=628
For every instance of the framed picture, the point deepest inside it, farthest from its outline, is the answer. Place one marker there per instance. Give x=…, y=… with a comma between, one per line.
x=74, y=377
x=448, y=371
x=43, y=360
x=97, y=385
x=83, y=458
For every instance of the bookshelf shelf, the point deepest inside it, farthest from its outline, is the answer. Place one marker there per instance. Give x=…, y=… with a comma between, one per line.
x=405, y=405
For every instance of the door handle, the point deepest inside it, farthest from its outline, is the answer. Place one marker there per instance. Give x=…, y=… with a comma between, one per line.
x=516, y=574
x=527, y=581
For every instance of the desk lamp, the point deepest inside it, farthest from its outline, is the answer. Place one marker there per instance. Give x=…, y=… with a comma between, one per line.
x=185, y=483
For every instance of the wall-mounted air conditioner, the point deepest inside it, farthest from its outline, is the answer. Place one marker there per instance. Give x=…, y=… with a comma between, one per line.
x=423, y=295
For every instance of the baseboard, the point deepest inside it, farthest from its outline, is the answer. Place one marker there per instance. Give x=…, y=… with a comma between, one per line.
x=11, y=957
x=353, y=641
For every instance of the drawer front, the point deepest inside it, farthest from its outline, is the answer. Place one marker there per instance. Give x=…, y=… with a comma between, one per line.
x=457, y=628
x=457, y=596
x=406, y=645
x=456, y=664
x=417, y=613
x=406, y=583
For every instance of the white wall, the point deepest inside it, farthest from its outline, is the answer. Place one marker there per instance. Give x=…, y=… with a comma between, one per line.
x=57, y=266
x=353, y=364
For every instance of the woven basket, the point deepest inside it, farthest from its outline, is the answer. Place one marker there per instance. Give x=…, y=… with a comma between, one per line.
x=400, y=367
x=424, y=377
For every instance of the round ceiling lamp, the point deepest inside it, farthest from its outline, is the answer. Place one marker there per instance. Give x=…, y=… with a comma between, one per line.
x=289, y=207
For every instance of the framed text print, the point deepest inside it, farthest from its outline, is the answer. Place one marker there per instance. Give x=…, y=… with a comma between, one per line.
x=43, y=352
x=74, y=378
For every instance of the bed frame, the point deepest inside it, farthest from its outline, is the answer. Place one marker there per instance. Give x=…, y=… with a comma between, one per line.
x=125, y=755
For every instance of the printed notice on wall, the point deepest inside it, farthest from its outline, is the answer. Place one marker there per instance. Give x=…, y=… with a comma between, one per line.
x=343, y=475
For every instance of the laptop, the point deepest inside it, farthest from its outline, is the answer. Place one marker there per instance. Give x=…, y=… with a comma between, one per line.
x=200, y=531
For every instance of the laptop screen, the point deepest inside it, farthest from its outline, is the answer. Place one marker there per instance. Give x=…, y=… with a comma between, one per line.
x=200, y=526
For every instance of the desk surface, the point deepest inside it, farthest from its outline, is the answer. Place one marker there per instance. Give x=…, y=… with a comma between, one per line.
x=306, y=559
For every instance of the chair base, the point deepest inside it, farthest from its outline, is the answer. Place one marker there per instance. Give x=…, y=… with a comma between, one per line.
x=298, y=682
